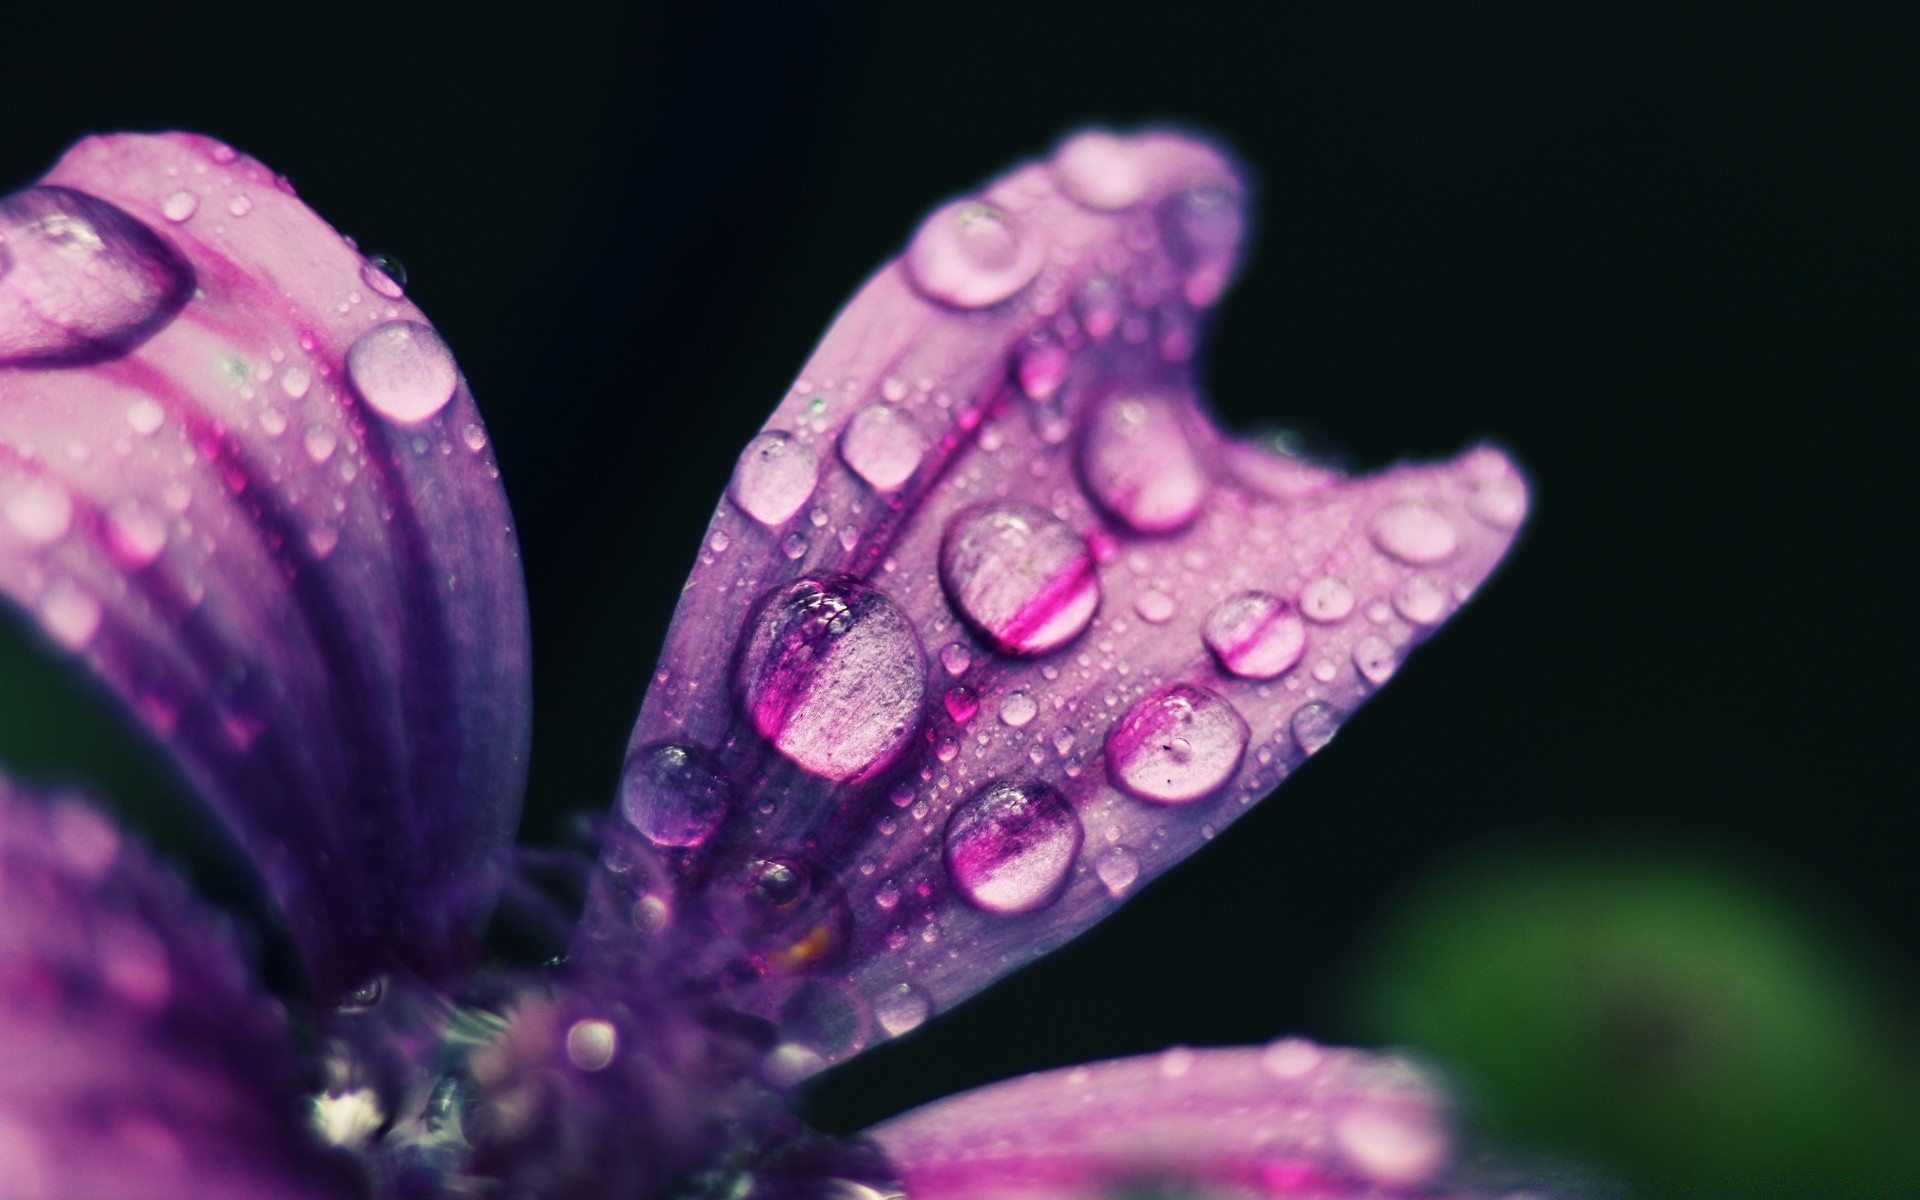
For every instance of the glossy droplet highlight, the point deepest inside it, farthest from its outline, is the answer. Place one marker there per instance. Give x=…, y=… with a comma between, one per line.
x=969, y=255
x=881, y=446
x=1101, y=171
x=902, y=1008
x=774, y=477
x=1255, y=635
x=1019, y=576
x=81, y=280
x=1139, y=464
x=674, y=794
x=1415, y=534
x=1010, y=846
x=403, y=371
x=1177, y=745
x=1313, y=726
x=832, y=674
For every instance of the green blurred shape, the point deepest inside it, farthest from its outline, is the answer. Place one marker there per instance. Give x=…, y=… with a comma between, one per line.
x=1676, y=1021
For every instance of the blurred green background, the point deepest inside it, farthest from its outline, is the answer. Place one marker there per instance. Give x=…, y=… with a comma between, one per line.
x=1628, y=851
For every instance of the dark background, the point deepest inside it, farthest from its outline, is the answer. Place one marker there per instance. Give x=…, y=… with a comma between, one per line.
x=1665, y=253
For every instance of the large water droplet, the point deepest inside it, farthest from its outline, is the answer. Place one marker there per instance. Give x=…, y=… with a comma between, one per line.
x=1138, y=462
x=833, y=675
x=1255, y=635
x=674, y=794
x=1176, y=745
x=81, y=280
x=1414, y=534
x=882, y=446
x=970, y=255
x=403, y=371
x=902, y=1008
x=1314, y=725
x=1019, y=576
x=774, y=477
x=1010, y=847
x=1101, y=171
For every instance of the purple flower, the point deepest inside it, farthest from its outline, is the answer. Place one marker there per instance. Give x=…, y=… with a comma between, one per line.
x=993, y=626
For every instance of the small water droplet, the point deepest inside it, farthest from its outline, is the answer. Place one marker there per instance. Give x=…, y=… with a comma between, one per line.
x=179, y=206
x=1255, y=635
x=901, y=1009
x=794, y=546
x=1374, y=659
x=403, y=371
x=320, y=443
x=833, y=675
x=240, y=206
x=962, y=704
x=1138, y=462
x=956, y=658
x=1010, y=846
x=970, y=255
x=70, y=615
x=1154, y=606
x=1100, y=306
x=1202, y=228
x=1398, y=1145
x=1176, y=1061
x=1118, y=870
x=135, y=534
x=1290, y=1058
x=1101, y=171
x=384, y=274
x=1314, y=725
x=1176, y=745
x=1041, y=366
x=41, y=510
x=774, y=477
x=145, y=416
x=592, y=1044
x=1019, y=576
x=675, y=795
x=1017, y=709
x=1414, y=534
x=882, y=446
x=1420, y=599
x=1327, y=600
x=1499, y=502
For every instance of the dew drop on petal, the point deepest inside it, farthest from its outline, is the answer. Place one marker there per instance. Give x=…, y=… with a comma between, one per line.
x=1499, y=502
x=1374, y=659
x=956, y=658
x=384, y=274
x=1255, y=635
x=135, y=534
x=592, y=1044
x=320, y=443
x=1019, y=576
x=1313, y=725
x=1398, y=1145
x=774, y=477
x=1414, y=533
x=1010, y=846
x=1202, y=228
x=1101, y=171
x=240, y=206
x=962, y=704
x=675, y=795
x=179, y=206
x=1118, y=870
x=145, y=416
x=1420, y=599
x=1017, y=709
x=1291, y=1058
x=969, y=255
x=1176, y=745
x=833, y=675
x=403, y=371
x=41, y=511
x=1041, y=366
x=1327, y=600
x=901, y=1009
x=1139, y=464
x=881, y=446
x=1154, y=606
x=70, y=615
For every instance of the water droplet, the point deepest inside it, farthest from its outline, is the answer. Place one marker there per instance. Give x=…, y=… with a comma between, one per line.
x=1499, y=502
x=1327, y=600
x=179, y=206
x=1010, y=846
x=71, y=616
x=790, y=1065
x=81, y=281
x=1255, y=635
x=592, y=1044
x=41, y=510
x=1398, y=1145
x=774, y=477
x=970, y=255
x=403, y=371
x=1420, y=599
x=1099, y=305
x=1414, y=534
x=1154, y=606
x=1118, y=870
x=1374, y=659
x=1202, y=228
x=384, y=274
x=1041, y=366
x=1019, y=576
x=902, y=1008
x=240, y=206
x=1176, y=745
x=1101, y=171
x=1017, y=709
x=1290, y=1058
x=135, y=534
x=1176, y=1061
x=320, y=442
x=956, y=658
x=295, y=381
x=675, y=795
x=833, y=675
x=962, y=704
x=145, y=416
x=1138, y=462
x=881, y=446
x=1314, y=725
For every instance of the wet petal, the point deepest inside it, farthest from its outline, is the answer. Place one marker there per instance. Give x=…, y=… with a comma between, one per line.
x=1290, y=1120
x=938, y=720
x=242, y=481
x=136, y=1056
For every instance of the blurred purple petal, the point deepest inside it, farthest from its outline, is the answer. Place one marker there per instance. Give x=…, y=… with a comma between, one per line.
x=996, y=625
x=242, y=480
x=1290, y=1120
x=136, y=1057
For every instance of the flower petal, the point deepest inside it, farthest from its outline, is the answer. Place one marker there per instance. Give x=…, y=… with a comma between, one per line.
x=996, y=625
x=242, y=480
x=136, y=1057
x=1290, y=1120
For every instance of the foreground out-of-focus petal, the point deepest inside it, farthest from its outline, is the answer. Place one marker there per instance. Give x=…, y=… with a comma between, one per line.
x=242, y=480
x=995, y=624
x=136, y=1056
x=1290, y=1120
